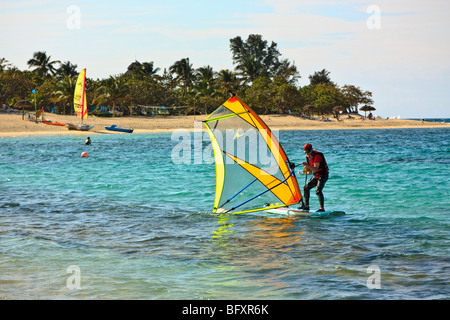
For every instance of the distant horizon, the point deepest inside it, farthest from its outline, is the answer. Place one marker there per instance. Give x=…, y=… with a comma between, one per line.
x=428, y=118
x=395, y=50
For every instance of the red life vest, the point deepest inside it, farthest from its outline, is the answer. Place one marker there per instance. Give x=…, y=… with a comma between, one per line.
x=323, y=167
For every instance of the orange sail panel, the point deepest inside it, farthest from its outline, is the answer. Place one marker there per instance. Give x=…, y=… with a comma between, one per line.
x=252, y=169
x=79, y=98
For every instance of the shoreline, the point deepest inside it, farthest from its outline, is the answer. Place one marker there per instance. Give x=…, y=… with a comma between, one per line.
x=12, y=125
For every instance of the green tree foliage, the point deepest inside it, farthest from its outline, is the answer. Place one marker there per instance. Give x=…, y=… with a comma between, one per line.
x=42, y=64
x=319, y=77
x=261, y=76
x=255, y=58
x=115, y=91
x=67, y=69
x=4, y=64
x=259, y=95
x=353, y=96
x=64, y=93
x=142, y=69
x=227, y=80
x=184, y=73
x=286, y=95
x=15, y=85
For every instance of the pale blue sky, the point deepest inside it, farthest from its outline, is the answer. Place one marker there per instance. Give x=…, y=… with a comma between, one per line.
x=397, y=49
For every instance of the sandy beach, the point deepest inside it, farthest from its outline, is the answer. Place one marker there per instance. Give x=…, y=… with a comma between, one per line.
x=11, y=124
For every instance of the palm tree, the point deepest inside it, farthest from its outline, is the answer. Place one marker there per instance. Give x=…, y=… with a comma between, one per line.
x=320, y=77
x=183, y=70
x=114, y=90
x=96, y=96
x=254, y=57
x=203, y=92
x=67, y=69
x=142, y=69
x=4, y=64
x=288, y=71
x=65, y=90
x=43, y=65
x=248, y=69
x=205, y=81
x=167, y=85
x=148, y=69
x=205, y=74
x=226, y=80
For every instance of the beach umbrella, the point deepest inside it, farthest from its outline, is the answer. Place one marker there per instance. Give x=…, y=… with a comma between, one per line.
x=367, y=108
x=24, y=104
x=310, y=108
x=337, y=109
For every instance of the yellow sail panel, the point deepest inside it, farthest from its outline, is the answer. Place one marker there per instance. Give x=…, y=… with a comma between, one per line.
x=220, y=170
x=261, y=209
x=234, y=105
x=79, y=98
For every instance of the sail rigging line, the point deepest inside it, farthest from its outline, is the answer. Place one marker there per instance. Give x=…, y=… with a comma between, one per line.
x=239, y=192
x=291, y=173
x=258, y=195
x=235, y=195
x=226, y=116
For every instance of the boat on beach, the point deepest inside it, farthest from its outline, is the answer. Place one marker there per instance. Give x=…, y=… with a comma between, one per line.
x=80, y=103
x=119, y=129
x=79, y=127
x=55, y=123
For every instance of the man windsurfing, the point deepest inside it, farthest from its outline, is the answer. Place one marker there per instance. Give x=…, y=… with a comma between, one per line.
x=317, y=165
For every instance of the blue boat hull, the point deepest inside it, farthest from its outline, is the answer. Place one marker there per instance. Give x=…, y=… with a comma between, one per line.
x=114, y=128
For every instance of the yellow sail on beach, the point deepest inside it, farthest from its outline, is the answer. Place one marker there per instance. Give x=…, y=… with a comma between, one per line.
x=79, y=98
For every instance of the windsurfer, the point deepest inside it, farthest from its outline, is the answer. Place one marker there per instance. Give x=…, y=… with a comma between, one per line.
x=316, y=164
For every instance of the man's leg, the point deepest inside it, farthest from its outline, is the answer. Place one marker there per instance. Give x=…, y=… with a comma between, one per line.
x=320, y=184
x=311, y=184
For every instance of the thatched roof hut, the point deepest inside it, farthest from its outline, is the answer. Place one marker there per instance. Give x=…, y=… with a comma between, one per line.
x=367, y=108
x=24, y=104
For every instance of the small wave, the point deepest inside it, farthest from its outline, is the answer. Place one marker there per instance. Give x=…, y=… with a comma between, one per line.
x=10, y=205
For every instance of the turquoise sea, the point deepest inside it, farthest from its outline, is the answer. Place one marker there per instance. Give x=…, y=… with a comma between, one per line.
x=441, y=120
x=129, y=223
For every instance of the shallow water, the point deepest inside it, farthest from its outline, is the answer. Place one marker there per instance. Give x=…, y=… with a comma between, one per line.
x=138, y=226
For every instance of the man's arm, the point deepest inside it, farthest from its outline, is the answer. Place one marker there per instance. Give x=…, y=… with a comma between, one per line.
x=311, y=168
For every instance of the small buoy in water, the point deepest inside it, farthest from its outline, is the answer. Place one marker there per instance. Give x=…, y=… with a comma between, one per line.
x=84, y=154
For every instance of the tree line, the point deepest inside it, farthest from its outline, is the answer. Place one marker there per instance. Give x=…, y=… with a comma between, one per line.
x=261, y=76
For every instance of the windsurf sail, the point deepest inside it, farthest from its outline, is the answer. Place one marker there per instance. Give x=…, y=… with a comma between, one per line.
x=79, y=98
x=253, y=172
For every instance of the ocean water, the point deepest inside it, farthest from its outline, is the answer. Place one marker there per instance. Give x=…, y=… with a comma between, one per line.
x=441, y=120
x=130, y=223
